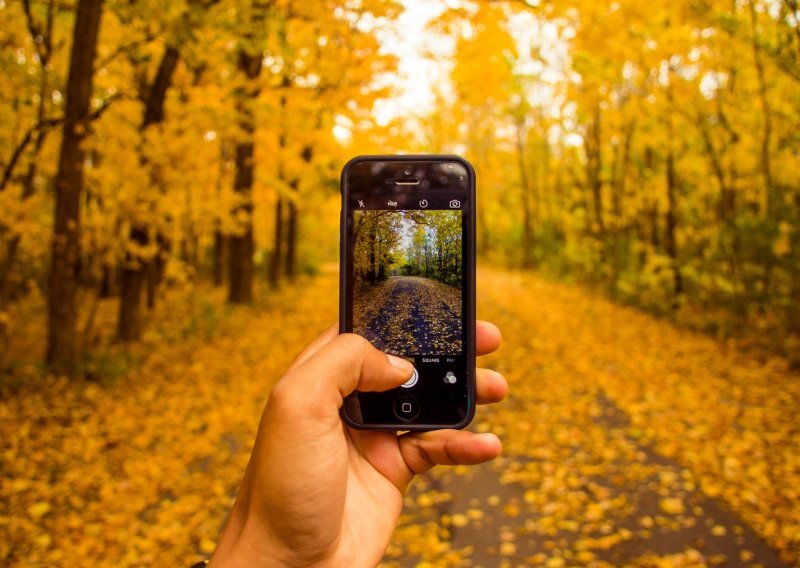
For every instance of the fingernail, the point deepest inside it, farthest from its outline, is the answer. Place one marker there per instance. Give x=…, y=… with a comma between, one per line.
x=400, y=363
x=493, y=440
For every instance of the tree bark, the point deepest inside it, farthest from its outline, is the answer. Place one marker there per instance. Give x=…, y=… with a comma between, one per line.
x=5, y=270
x=106, y=289
x=240, y=244
x=291, y=241
x=293, y=221
x=220, y=257
x=155, y=270
x=129, y=322
x=524, y=182
x=277, y=249
x=135, y=268
x=594, y=167
x=62, y=353
x=672, y=226
x=774, y=197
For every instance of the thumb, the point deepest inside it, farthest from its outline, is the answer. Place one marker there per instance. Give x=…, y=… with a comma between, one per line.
x=346, y=364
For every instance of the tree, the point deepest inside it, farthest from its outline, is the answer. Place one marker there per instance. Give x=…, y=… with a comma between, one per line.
x=135, y=266
x=241, y=244
x=62, y=352
x=143, y=264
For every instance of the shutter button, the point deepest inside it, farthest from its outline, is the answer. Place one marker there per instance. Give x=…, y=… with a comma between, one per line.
x=412, y=381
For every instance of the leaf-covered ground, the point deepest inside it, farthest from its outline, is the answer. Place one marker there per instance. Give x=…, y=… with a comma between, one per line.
x=627, y=441
x=410, y=315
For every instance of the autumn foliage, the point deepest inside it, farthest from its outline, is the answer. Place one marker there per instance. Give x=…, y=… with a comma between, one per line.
x=169, y=218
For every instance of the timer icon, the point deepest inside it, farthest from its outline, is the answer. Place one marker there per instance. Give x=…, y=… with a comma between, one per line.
x=423, y=203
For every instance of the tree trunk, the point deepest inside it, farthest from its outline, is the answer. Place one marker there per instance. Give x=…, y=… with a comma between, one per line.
x=106, y=283
x=774, y=198
x=241, y=245
x=152, y=278
x=154, y=109
x=155, y=270
x=62, y=354
x=672, y=226
x=12, y=246
x=135, y=268
x=240, y=288
x=220, y=257
x=291, y=238
x=132, y=274
x=594, y=167
x=277, y=249
x=524, y=182
x=129, y=322
x=373, y=256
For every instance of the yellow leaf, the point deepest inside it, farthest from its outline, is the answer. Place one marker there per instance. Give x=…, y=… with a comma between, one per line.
x=511, y=509
x=672, y=505
x=508, y=549
x=39, y=509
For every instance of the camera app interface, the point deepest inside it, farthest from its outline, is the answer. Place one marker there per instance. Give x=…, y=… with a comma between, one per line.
x=407, y=282
x=407, y=288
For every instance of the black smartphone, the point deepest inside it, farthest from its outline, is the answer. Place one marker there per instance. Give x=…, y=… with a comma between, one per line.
x=408, y=285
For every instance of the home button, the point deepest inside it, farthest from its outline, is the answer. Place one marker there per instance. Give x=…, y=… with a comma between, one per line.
x=406, y=408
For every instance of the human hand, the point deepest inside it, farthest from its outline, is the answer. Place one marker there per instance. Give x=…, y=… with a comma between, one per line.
x=318, y=493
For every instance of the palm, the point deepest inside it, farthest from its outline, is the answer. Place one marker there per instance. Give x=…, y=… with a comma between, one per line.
x=373, y=501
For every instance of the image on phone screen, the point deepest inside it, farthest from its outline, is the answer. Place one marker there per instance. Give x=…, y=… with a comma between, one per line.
x=407, y=272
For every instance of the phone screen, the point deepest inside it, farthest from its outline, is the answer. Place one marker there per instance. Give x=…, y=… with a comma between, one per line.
x=407, y=284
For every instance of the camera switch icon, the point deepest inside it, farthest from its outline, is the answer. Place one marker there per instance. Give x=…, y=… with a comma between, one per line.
x=455, y=204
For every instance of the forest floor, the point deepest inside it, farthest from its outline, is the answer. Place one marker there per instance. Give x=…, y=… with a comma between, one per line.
x=410, y=310
x=627, y=441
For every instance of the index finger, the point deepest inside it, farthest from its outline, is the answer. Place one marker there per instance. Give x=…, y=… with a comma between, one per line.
x=487, y=337
x=323, y=339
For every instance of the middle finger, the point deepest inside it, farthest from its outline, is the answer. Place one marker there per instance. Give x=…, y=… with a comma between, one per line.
x=490, y=386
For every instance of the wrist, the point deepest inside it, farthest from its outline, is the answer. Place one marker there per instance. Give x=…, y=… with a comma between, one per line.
x=248, y=541
x=237, y=547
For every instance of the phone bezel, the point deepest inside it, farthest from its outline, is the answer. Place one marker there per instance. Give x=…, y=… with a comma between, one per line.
x=469, y=283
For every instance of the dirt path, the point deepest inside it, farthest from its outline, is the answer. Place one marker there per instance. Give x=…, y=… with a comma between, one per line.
x=628, y=442
x=416, y=312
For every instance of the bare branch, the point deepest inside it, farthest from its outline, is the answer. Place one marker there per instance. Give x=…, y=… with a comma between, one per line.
x=46, y=125
x=33, y=27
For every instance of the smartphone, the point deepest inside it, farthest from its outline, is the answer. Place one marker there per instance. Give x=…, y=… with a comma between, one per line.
x=408, y=285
